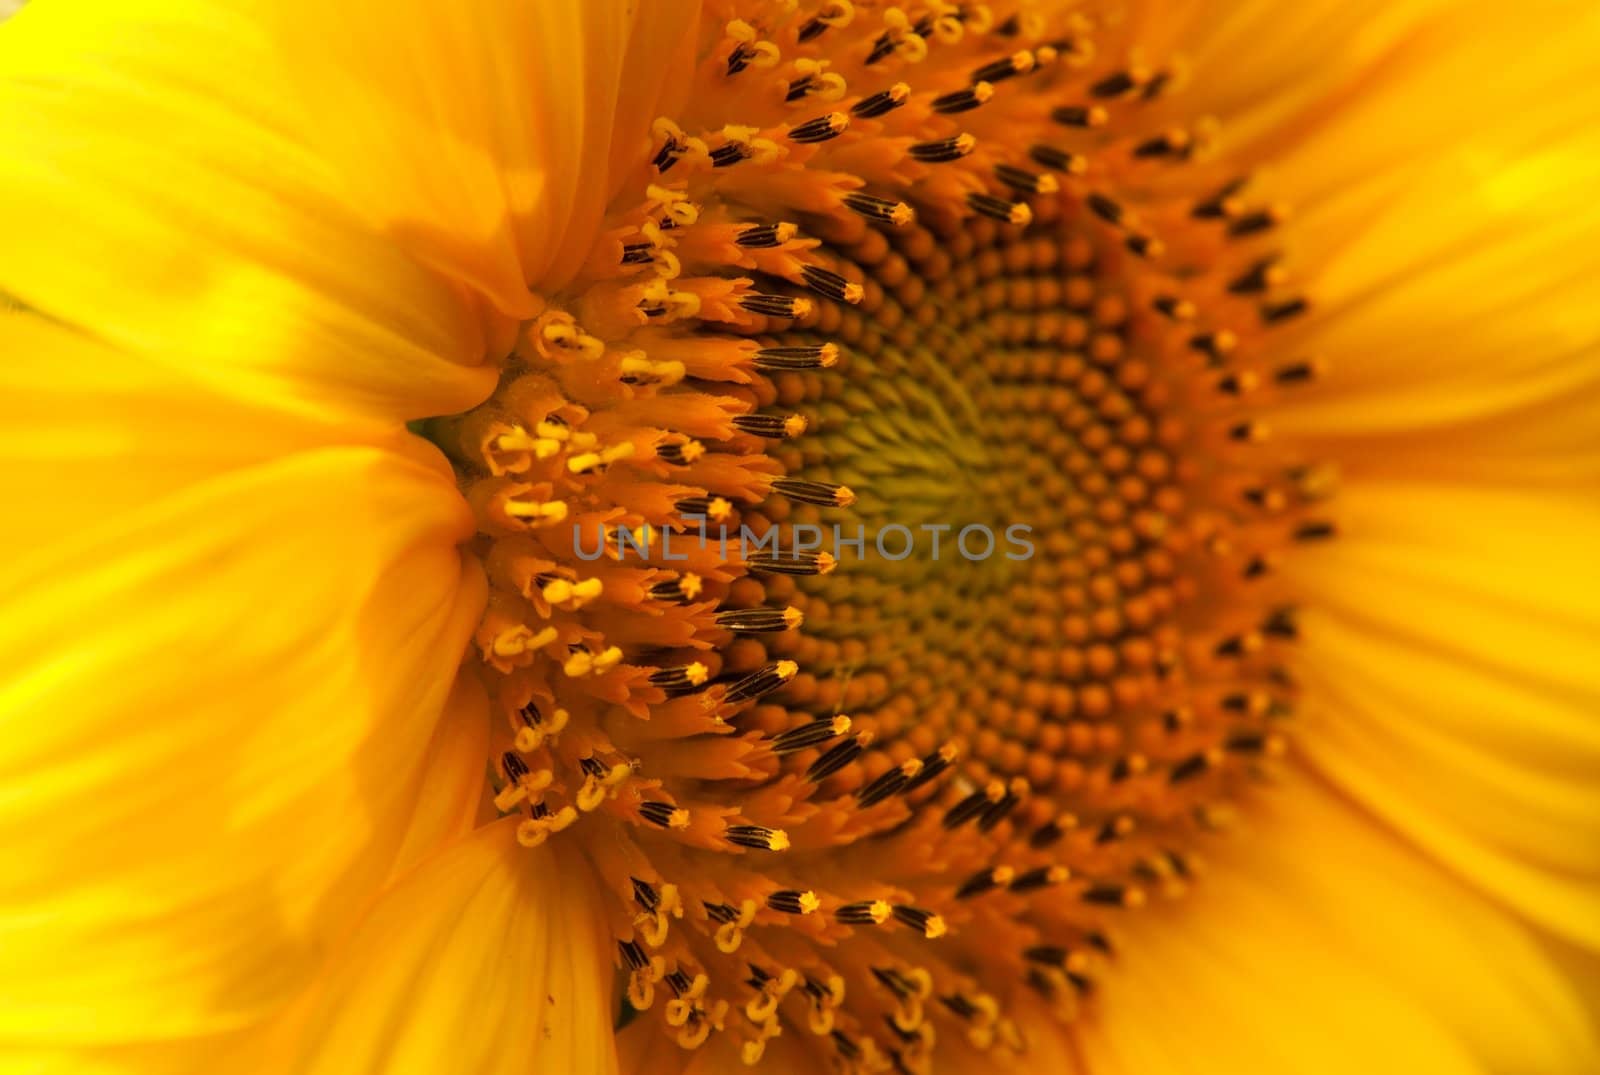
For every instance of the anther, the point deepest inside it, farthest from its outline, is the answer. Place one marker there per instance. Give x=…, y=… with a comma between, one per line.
x=780, y=359
x=1314, y=531
x=638, y=253
x=1106, y=209
x=1214, y=345
x=534, y=513
x=1257, y=278
x=822, y=494
x=535, y=731
x=762, y=682
x=830, y=992
x=1174, y=307
x=681, y=453
x=1026, y=182
x=1281, y=623
x=759, y=236
x=1040, y=877
x=1260, y=743
x=839, y=756
x=831, y=285
x=686, y=587
x=633, y=955
x=1252, y=703
x=932, y=765
x=777, y=426
x=1274, y=312
x=812, y=734
x=1058, y=160
x=1145, y=246
x=812, y=28
x=1302, y=372
x=882, y=210
x=985, y=881
x=1000, y=209
x=730, y=153
x=881, y=103
x=668, y=154
x=682, y=677
x=865, y=913
x=1129, y=765
x=516, y=769
x=1173, y=143
x=1224, y=203
x=1156, y=85
x=1047, y=834
x=793, y=901
x=974, y=804
x=1255, y=223
x=887, y=784
x=925, y=922
x=1080, y=116
x=787, y=306
x=1237, y=383
x=792, y=563
x=820, y=129
x=1018, y=63
x=582, y=661
x=757, y=837
x=963, y=1008
x=964, y=100
x=1008, y=802
x=881, y=47
x=760, y=620
x=1113, y=895
x=1115, y=85
x=894, y=981
x=664, y=815
x=644, y=894
x=944, y=150
x=1194, y=765
x=740, y=58
x=1314, y=483
x=1050, y=954
x=1257, y=567
x=715, y=508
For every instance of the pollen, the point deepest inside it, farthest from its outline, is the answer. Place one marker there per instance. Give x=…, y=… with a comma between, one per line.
x=882, y=528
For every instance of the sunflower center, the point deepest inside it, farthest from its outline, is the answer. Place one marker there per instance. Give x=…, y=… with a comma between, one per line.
x=881, y=529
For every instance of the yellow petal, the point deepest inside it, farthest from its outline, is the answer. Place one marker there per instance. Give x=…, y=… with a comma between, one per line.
x=1467, y=296
x=489, y=958
x=1438, y=178
x=453, y=785
x=157, y=192
x=486, y=136
x=212, y=732
x=1458, y=95
x=1236, y=978
x=1450, y=682
x=1470, y=963
x=88, y=430
x=1445, y=230
x=1316, y=941
x=1270, y=70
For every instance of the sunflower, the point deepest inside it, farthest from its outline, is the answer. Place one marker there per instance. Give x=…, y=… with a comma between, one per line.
x=812, y=534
